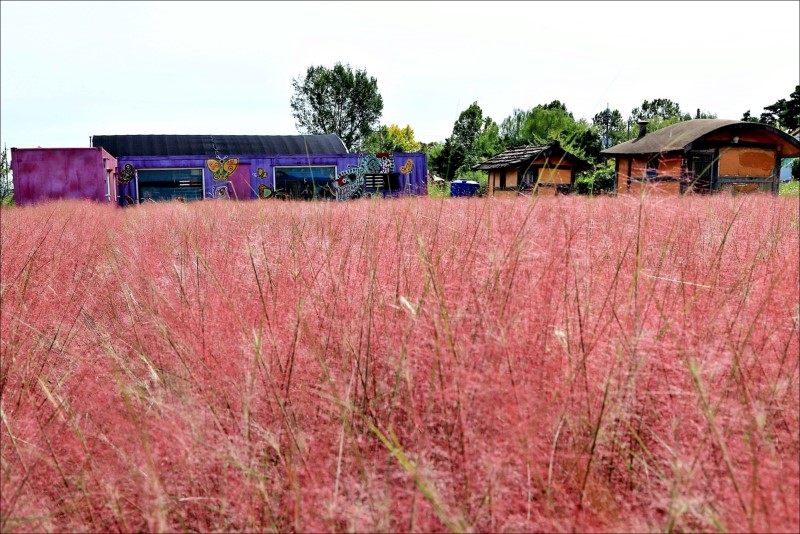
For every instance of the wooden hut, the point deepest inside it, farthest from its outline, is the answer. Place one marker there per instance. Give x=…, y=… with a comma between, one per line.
x=703, y=156
x=545, y=170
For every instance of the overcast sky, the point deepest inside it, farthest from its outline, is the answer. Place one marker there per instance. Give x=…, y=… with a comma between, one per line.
x=75, y=69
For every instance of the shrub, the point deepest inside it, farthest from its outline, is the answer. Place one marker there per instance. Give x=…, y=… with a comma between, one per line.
x=601, y=180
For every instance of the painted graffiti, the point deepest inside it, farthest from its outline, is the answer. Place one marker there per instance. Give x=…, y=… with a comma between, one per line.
x=265, y=191
x=127, y=174
x=261, y=174
x=222, y=169
x=222, y=192
x=349, y=183
x=379, y=163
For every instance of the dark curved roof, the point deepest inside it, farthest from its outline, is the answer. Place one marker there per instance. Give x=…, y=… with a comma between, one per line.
x=222, y=145
x=513, y=157
x=680, y=136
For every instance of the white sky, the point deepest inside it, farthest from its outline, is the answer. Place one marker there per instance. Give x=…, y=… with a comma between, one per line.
x=75, y=69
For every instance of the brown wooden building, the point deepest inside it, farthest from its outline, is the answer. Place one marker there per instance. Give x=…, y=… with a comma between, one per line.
x=703, y=156
x=544, y=170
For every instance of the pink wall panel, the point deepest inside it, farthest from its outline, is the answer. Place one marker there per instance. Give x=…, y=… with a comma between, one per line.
x=42, y=174
x=240, y=182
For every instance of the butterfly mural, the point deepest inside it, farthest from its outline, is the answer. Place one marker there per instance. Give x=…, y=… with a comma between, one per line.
x=407, y=167
x=220, y=169
x=261, y=174
x=265, y=191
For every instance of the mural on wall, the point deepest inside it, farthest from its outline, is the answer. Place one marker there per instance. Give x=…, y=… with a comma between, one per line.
x=222, y=192
x=350, y=183
x=379, y=163
x=127, y=174
x=408, y=167
x=265, y=191
x=261, y=174
x=222, y=169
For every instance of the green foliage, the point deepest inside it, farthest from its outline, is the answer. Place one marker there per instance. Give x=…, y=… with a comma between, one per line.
x=391, y=138
x=600, y=180
x=438, y=189
x=659, y=108
x=550, y=122
x=746, y=117
x=660, y=113
x=511, y=128
x=6, y=183
x=473, y=139
x=789, y=189
x=482, y=177
x=783, y=114
x=337, y=101
x=610, y=125
x=431, y=151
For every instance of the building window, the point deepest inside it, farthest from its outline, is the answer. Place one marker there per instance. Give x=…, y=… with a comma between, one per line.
x=304, y=183
x=503, y=179
x=531, y=177
x=651, y=168
x=170, y=184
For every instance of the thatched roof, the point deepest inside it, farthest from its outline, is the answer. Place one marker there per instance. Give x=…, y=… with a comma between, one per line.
x=523, y=155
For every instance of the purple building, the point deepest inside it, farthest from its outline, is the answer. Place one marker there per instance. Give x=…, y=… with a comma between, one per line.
x=144, y=168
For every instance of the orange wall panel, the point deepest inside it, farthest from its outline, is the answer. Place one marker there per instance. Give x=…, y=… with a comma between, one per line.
x=638, y=165
x=557, y=162
x=555, y=176
x=746, y=162
x=670, y=166
x=511, y=178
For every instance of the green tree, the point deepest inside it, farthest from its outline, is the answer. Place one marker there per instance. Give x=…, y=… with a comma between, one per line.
x=746, y=117
x=431, y=151
x=610, y=126
x=511, y=128
x=392, y=138
x=549, y=122
x=6, y=183
x=784, y=114
x=659, y=108
x=337, y=101
x=473, y=138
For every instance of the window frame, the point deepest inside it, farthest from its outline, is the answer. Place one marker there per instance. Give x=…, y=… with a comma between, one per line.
x=321, y=183
x=202, y=188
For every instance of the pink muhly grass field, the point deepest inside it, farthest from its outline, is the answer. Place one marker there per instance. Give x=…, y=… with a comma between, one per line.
x=551, y=364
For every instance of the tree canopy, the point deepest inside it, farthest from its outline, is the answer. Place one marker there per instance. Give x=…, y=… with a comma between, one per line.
x=783, y=114
x=392, y=138
x=337, y=101
x=474, y=138
x=6, y=183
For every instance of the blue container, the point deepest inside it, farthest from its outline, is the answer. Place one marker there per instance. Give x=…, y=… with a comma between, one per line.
x=464, y=188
